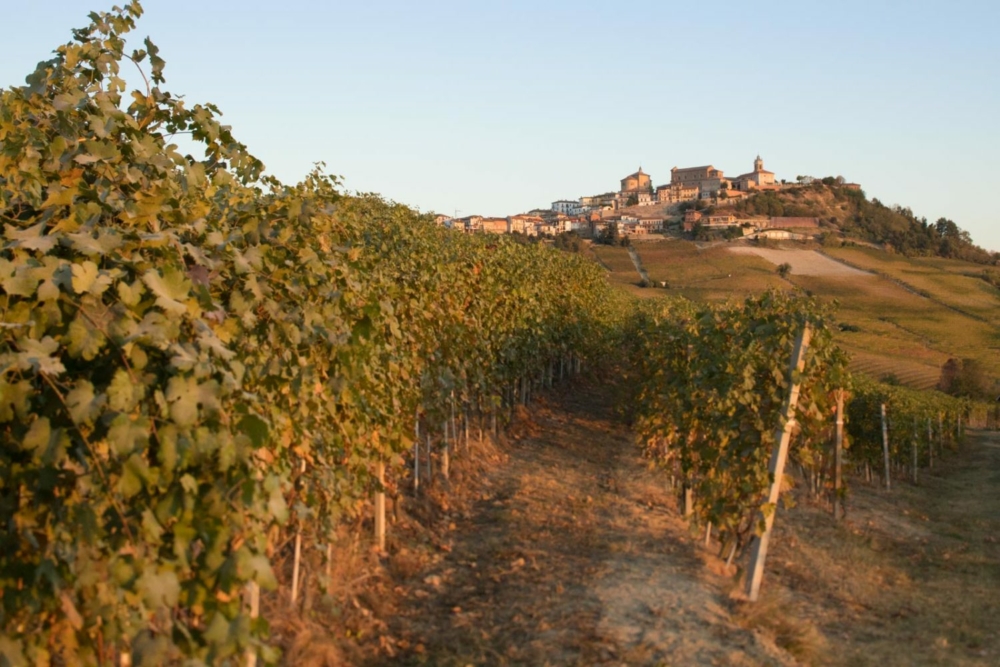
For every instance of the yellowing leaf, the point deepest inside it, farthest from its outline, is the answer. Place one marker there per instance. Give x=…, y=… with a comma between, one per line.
x=171, y=289
x=88, y=279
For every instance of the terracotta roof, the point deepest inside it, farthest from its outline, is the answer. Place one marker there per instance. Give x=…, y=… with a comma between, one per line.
x=638, y=173
x=707, y=166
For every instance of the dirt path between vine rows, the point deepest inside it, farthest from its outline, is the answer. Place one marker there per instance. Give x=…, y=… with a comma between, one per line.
x=573, y=554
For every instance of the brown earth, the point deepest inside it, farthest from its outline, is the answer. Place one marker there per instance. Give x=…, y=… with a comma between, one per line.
x=802, y=262
x=565, y=549
x=574, y=554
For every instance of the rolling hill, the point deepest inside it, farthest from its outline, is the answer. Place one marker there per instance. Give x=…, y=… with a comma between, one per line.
x=901, y=318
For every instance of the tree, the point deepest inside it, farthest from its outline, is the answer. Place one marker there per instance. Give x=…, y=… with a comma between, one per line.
x=784, y=269
x=632, y=200
x=966, y=378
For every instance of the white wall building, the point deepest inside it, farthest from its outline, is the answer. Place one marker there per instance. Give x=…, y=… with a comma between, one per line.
x=566, y=207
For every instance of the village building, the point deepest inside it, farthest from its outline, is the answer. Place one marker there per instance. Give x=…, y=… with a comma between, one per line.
x=494, y=226
x=676, y=192
x=732, y=195
x=707, y=179
x=758, y=179
x=719, y=220
x=650, y=224
x=567, y=206
x=640, y=181
x=471, y=224
x=525, y=224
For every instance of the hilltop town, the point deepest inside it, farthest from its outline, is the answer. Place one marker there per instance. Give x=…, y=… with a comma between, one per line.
x=695, y=198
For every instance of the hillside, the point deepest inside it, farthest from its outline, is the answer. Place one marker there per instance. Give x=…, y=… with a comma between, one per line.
x=848, y=214
x=901, y=318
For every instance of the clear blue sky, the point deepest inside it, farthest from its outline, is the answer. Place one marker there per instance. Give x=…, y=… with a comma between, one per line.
x=496, y=108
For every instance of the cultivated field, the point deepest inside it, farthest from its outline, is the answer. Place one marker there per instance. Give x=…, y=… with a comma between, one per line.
x=953, y=282
x=900, y=317
x=710, y=274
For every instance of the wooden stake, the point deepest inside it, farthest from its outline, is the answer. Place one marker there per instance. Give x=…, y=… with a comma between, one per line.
x=380, y=506
x=296, y=564
x=885, y=447
x=430, y=460
x=708, y=534
x=777, y=467
x=329, y=564
x=838, y=457
x=446, y=451
x=416, y=455
x=253, y=601
x=941, y=433
x=930, y=445
x=915, y=455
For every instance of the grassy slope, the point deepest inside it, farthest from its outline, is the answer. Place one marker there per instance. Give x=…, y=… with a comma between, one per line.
x=901, y=333
x=950, y=281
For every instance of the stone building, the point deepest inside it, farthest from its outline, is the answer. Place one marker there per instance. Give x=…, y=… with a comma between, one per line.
x=675, y=192
x=707, y=179
x=758, y=179
x=637, y=182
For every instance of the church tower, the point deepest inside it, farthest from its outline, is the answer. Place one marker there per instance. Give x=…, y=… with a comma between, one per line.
x=758, y=164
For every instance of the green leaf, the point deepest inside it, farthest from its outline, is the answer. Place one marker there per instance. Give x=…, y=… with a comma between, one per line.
x=159, y=589
x=127, y=434
x=87, y=279
x=81, y=402
x=38, y=435
x=83, y=340
x=182, y=397
x=171, y=289
x=14, y=398
x=135, y=475
x=255, y=428
x=38, y=354
x=123, y=393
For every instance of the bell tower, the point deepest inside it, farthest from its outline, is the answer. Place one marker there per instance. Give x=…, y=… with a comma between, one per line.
x=758, y=164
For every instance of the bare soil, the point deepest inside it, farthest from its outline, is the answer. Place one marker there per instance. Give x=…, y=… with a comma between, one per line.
x=574, y=554
x=566, y=550
x=803, y=262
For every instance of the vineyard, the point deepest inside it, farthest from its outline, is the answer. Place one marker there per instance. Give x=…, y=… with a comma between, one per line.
x=207, y=370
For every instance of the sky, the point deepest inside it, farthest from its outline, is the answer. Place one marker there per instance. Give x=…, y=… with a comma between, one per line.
x=498, y=108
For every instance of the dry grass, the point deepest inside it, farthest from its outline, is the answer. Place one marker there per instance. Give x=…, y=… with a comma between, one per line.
x=710, y=274
x=774, y=616
x=949, y=281
x=573, y=552
x=910, y=576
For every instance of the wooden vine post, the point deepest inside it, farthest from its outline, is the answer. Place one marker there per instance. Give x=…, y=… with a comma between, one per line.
x=930, y=445
x=380, y=505
x=885, y=448
x=297, y=561
x=253, y=606
x=777, y=466
x=838, y=458
x=416, y=454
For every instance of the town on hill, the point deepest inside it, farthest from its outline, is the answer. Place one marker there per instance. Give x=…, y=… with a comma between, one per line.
x=696, y=198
